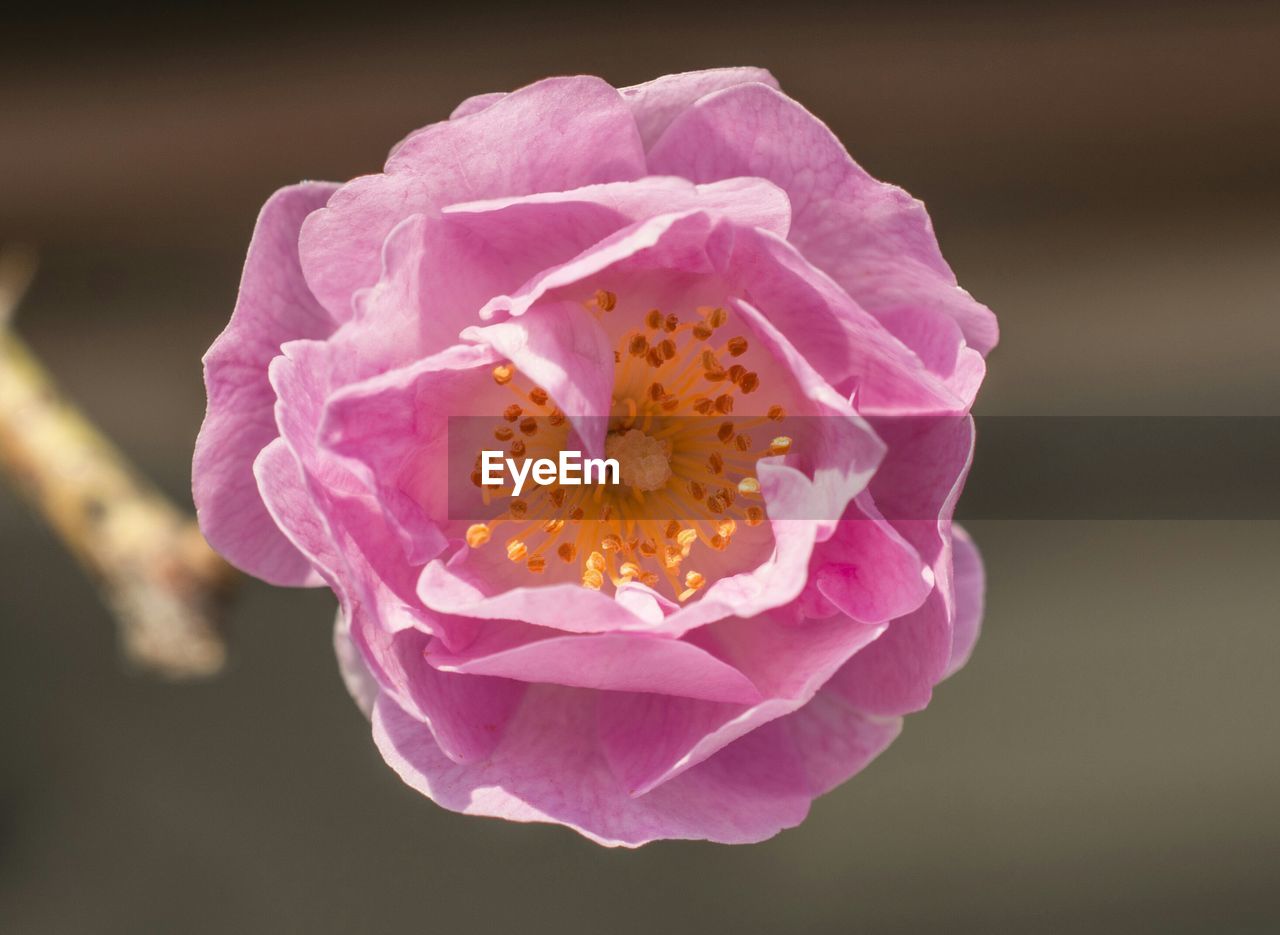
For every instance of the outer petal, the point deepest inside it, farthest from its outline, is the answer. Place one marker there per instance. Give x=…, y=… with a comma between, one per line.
x=649, y=739
x=274, y=306
x=921, y=478
x=557, y=134
x=970, y=583
x=549, y=769
x=607, y=661
x=656, y=103
x=751, y=202
x=873, y=238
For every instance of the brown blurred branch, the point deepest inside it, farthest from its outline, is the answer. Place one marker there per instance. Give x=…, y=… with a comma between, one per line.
x=165, y=585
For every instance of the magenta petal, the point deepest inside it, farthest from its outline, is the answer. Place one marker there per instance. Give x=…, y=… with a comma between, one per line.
x=570, y=132
x=656, y=103
x=274, y=306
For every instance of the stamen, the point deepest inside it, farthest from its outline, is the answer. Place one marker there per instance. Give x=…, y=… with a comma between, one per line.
x=777, y=413
x=503, y=373
x=512, y=412
x=477, y=535
x=738, y=346
x=517, y=550
x=749, y=486
x=780, y=445
x=567, y=552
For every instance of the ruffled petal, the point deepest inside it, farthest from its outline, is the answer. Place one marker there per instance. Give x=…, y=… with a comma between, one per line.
x=274, y=306
x=649, y=739
x=656, y=103
x=549, y=769
x=873, y=238
x=556, y=134
x=970, y=582
x=632, y=662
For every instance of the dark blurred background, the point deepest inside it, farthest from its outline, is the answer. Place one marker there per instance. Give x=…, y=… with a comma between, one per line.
x=1105, y=176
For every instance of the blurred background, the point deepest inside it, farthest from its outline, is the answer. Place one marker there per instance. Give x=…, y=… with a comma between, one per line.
x=1105, y=176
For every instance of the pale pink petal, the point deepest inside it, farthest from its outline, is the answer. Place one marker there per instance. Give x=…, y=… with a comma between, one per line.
x=868, y=570
x=560, y=348
x=392, y=432
x=750, y=202
x=633, y=662
x=834, y=740
x=916, y=489
x=274, y=306
x=970, y=581
x=556, y=134
x=549, y=769
x=649, y=739
x=656, y=103
x=873, y=238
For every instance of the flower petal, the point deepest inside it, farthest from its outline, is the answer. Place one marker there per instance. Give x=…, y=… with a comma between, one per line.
x=549, y=769
x=970, y=581
x=656, y=103
x=649, y=739
x=274, y=306
x=556, y=134
x=873, y=238
x=636, y=662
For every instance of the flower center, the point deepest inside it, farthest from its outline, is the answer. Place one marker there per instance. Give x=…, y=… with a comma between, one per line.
x=643, y=461
x=687, y=466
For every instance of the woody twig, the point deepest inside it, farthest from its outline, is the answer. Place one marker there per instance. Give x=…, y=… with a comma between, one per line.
x=165, y=586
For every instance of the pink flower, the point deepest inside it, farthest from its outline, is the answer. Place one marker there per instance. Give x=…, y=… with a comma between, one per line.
x=585, y=256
